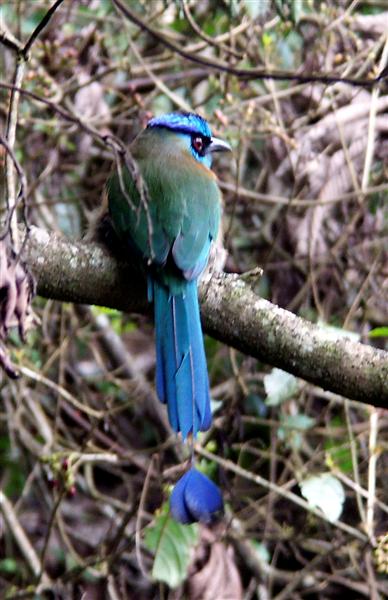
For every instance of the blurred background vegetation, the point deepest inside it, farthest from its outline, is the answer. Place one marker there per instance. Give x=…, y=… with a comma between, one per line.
x=304, y=199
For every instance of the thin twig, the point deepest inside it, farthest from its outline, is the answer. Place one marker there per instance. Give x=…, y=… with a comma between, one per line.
x=50, y=527
x=21, y=538
x=9, y=163
x=41, y=25
x=175, y=98
x=246, y=74
x=230, y=466
x=373, y=456
x=9, y=40
x=23, y=188
x=98, y=414
x=139, y=517
x=271, y=199
x=353, y=452
x=372, y=122
x=207, y=38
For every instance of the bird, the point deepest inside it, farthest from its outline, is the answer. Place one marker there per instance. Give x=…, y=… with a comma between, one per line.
x=169, y=218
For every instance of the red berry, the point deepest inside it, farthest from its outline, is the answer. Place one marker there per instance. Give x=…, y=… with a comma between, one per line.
x=71, y=492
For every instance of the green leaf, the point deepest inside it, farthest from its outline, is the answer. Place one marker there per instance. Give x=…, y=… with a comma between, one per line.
x=116, y=319
x=378, y=332
x=289, y=49
x=296, y=10
x=279, y=386
x=325, y=492
x=12, y=466
x=172, y=545
x=292, y=428
x=337, y=450
x=267, y=39
x=261, y=551
x=299, y=421
x=104, y=310
x=339, y=455
x=8, y=565
x=257, y=8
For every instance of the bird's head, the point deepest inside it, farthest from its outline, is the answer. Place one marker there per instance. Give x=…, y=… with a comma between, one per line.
x=193, y=132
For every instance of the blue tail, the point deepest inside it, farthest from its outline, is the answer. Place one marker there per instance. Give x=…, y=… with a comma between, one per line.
x=181, y=373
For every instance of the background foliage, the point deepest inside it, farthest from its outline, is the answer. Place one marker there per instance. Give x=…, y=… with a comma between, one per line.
x=85, y=460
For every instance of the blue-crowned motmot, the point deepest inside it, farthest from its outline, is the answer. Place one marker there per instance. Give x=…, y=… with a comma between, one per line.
x=172, y=231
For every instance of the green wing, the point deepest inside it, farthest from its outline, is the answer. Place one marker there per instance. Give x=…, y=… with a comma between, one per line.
x=181, y=217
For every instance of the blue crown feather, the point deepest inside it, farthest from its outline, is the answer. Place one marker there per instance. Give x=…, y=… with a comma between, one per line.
x=182, y=122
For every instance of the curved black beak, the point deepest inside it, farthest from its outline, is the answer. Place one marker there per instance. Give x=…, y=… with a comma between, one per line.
x=217, y=145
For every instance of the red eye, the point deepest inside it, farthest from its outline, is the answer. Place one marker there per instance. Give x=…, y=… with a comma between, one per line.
x=198, y=144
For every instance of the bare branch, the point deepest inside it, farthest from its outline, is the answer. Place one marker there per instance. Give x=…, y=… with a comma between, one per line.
x=246, y=74
x=20, y=536
x=231, y=311
x=39, y=28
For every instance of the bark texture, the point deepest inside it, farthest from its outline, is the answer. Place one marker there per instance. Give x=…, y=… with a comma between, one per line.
x=231, y=311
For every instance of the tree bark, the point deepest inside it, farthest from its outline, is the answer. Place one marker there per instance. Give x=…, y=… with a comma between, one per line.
x=231, y=312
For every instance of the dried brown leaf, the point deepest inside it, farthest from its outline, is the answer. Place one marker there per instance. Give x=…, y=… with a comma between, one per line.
x=16, y=290
x=219, y=578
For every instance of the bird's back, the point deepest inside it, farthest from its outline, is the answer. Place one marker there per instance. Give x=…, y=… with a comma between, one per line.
x=178, y=217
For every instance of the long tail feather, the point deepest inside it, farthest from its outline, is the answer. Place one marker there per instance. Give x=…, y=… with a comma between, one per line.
x=181, y=372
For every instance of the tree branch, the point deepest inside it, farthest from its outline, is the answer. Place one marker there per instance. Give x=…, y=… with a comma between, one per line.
x=231, y=312
x=242, y=73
